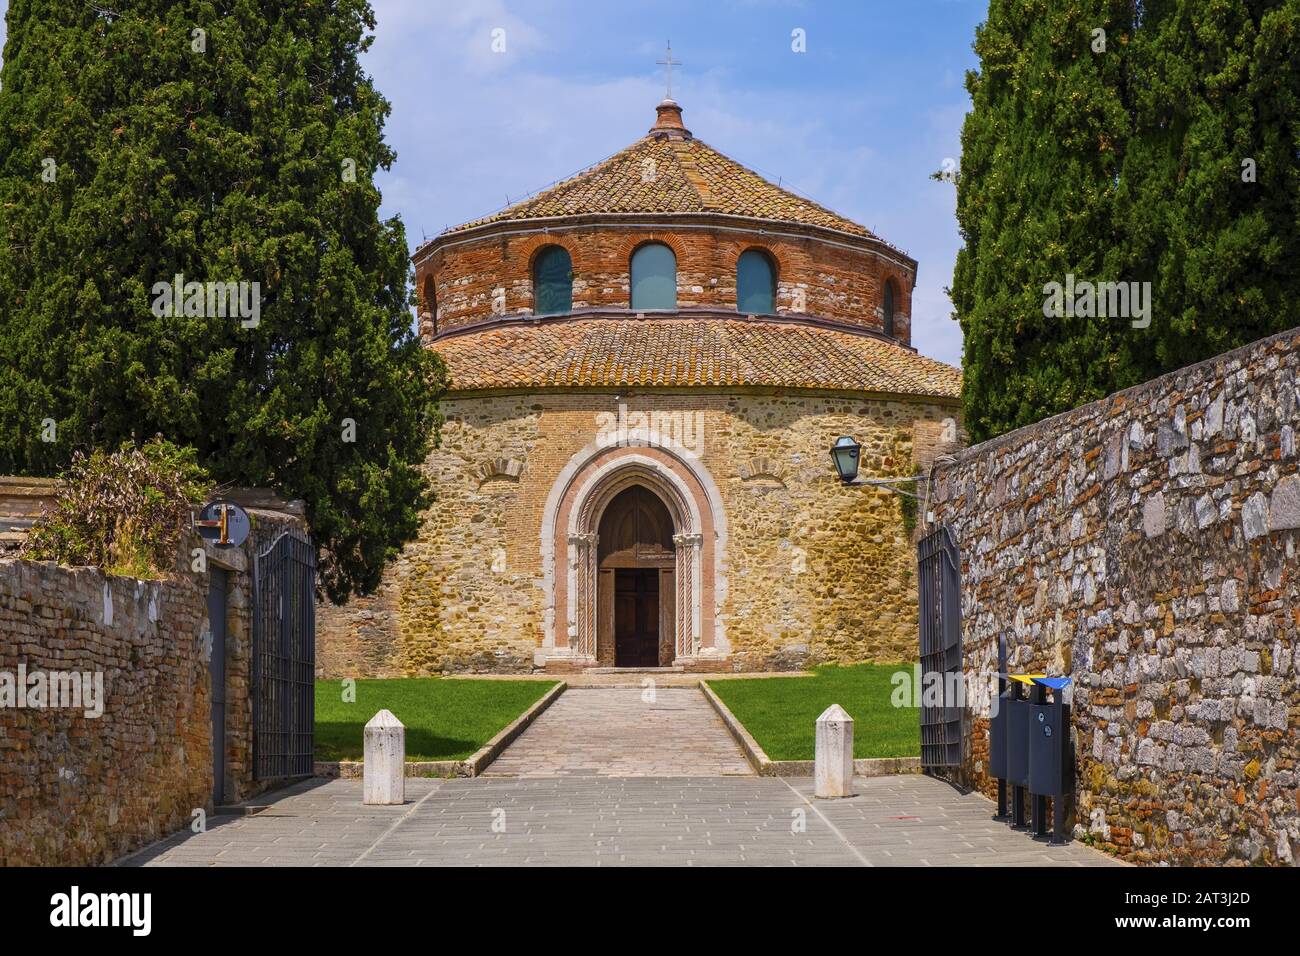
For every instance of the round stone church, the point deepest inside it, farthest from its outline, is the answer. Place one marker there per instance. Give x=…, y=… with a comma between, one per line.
x=649, y=363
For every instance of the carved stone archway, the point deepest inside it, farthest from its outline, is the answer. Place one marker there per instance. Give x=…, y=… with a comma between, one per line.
x=571, y=551
x=584, y=546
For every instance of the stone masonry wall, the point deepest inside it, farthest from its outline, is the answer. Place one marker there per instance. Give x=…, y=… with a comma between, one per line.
x=1146, y=544
x=492, y=275
x=78, y=790
x=815, y=571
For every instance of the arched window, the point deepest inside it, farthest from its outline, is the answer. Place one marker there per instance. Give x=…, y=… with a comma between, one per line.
x=552, y=281
x=755, y=283
x=428, y=308
x=887, y=308
x=654, y=277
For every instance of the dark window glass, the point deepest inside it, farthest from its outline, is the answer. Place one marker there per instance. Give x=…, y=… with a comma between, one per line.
x=755, y=284
x=654, y=277
x=888, y=308
x=552, y=281
x=429, y=306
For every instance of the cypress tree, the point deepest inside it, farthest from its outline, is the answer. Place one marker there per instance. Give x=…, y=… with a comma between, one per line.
x=1171, y=158
x=1210, y=188
x=1040, y=156
x=218, y=142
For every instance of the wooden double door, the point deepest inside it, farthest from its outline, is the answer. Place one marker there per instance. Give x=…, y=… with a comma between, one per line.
x=636, y=617
x=636, y=582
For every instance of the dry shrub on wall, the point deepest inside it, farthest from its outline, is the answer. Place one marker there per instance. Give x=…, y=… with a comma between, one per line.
x=123, y=511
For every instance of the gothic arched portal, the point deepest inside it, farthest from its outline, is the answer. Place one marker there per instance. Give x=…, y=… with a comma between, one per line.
x=632, y=542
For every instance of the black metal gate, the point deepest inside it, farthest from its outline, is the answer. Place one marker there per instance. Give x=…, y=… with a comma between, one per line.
x=284, y=657
x=941, y=703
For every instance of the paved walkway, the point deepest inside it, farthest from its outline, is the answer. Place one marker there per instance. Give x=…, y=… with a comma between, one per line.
x=905, y=820
x=618, y=732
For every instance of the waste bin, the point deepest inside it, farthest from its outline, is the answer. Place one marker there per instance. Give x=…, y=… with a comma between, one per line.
x=1049, y=734
x=1050, y=756
x=1016, y=741
x=998, y=737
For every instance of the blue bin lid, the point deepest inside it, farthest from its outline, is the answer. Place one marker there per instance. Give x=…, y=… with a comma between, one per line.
x=1056, y=683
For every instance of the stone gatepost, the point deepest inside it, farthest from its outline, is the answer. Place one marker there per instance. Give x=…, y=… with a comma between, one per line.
x=833, y=764
x=384, y=773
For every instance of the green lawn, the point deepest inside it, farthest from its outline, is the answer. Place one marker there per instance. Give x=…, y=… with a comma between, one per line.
x=781, y=712
x=445, y=718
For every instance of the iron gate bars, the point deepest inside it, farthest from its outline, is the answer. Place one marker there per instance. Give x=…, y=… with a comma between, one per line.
x=284, y=657
x=939, y=567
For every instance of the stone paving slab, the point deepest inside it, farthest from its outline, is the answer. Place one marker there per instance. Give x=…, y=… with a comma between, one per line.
x=304, y=823
x=618, y=732
x=908, y=820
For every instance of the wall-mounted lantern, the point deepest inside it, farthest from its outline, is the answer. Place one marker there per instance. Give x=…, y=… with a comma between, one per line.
x=845, y=454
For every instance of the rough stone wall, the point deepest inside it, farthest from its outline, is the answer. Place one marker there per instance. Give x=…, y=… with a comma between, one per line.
x=1146, y=544
x=815, y=571
x=77, y=790
x=491, y=276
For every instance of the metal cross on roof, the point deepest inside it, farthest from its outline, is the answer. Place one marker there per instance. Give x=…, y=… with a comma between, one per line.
x=668, y=65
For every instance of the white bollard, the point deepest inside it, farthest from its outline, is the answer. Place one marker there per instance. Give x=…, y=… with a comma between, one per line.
x=384, y=773
x=833, y=764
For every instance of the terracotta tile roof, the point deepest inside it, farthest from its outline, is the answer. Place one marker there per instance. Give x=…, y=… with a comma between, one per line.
x=688, y=352
x=688, y=177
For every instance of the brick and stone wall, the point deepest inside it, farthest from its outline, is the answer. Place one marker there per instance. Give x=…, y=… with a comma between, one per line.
x=1146, y=545
x=78, y=790
x=841, y=279
x=814, y=571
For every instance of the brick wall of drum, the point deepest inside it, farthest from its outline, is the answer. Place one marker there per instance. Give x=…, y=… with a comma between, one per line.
x=492, y=276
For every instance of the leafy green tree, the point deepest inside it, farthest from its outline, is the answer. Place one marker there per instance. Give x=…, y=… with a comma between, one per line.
x=1038, y=168
x=1122, y=157
x=221, y=142
x=1209, y=201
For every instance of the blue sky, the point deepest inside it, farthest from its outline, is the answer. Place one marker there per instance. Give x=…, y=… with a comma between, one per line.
x=858, y=122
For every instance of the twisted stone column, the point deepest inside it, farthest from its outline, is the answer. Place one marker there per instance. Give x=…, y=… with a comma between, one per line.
x=582, y=572
x=688, y=587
